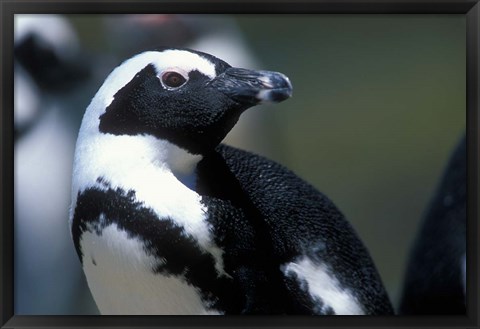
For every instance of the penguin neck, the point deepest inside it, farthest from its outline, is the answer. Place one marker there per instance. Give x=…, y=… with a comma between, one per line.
x=112, y=157
x=181, y=163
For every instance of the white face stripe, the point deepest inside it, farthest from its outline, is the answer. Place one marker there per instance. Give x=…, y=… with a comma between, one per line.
x=185, y=61
x=182, y=60
x=322, y=285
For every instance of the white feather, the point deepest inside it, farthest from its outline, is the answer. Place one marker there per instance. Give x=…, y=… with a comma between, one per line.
x=141, y=164
x=120, y=276
x=324, y=286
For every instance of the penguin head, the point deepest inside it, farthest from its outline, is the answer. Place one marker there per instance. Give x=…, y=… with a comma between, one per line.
x=189, y=98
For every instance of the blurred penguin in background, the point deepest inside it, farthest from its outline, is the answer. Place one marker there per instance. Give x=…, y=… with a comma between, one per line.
x=48, y=74
x=435, y=280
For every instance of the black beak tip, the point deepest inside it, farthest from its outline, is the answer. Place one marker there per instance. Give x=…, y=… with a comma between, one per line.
x=277, y=88
x=254, y=87
x=274, y=95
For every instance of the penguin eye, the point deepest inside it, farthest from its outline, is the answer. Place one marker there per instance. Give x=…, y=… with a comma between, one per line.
x=173, y=79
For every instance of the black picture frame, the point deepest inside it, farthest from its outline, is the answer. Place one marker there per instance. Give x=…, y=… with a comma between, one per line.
x=11, y=7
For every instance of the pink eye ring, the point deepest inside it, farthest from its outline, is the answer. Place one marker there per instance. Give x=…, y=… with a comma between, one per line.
x=173, y=79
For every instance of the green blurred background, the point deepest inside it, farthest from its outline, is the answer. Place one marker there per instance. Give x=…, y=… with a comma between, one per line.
x=378, y=105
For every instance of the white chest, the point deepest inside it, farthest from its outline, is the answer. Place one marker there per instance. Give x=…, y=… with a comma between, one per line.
x=120, y=276
x=146, y=166
x=119, y=269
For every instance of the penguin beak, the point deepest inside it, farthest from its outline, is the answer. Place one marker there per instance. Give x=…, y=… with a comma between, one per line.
x=250, y=87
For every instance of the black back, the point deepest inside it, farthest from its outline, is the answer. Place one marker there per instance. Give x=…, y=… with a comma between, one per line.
x=264, y=216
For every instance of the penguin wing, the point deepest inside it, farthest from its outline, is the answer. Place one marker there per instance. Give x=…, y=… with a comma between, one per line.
x=298, y=231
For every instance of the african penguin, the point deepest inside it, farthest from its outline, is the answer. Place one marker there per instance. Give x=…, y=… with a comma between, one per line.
x=166, y=220
x=435, y=277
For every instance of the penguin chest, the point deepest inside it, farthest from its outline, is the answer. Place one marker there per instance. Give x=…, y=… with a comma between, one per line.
x=147, y=249
x=126, y=278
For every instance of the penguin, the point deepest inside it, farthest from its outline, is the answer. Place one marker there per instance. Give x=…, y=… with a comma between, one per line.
x=435, y=276
x=168, y=220
x=49, y=71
